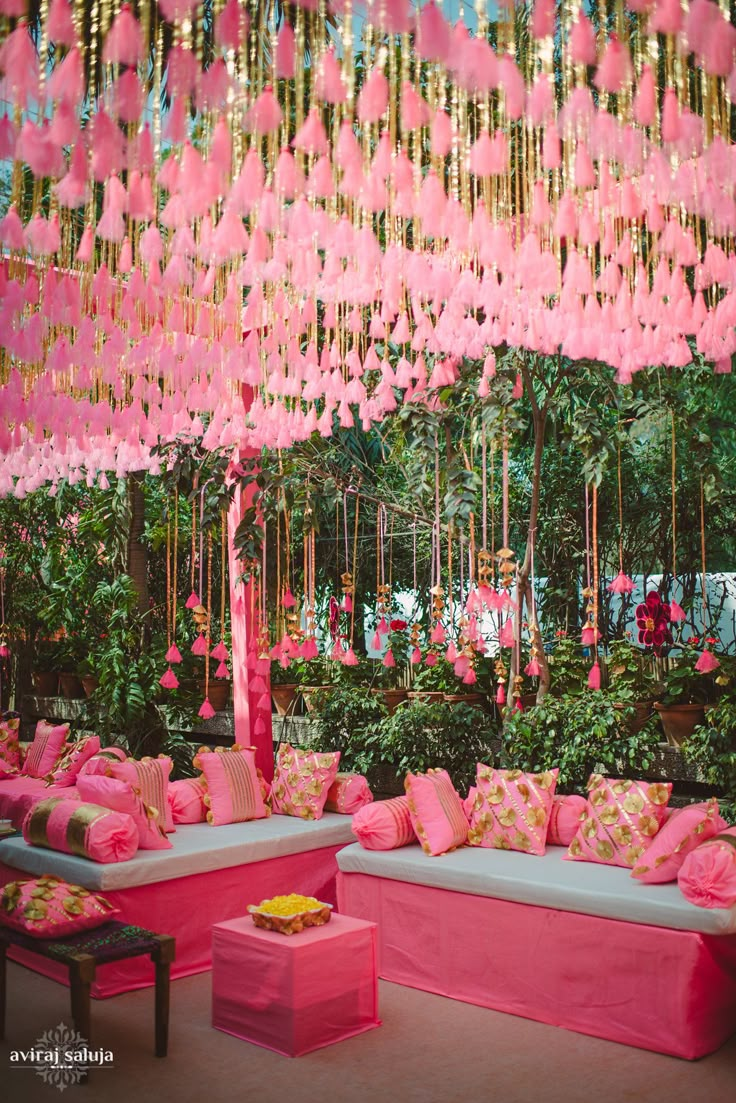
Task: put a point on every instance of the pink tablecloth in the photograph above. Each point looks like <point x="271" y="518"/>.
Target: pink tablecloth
<point x="294" y="993"/>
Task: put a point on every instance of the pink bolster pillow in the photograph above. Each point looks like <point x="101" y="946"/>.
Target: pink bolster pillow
<point x="564" y="821"/>
<point x="384" y="825"/>
<point x="708" y="874"/>
<point x="186" y="798"/>
<point x="685" y="830"/>
<point x="21" y="804"/>
<point x="86" y="830"/>
<point x="348" y="793"/>
<point x="120" y="796"/>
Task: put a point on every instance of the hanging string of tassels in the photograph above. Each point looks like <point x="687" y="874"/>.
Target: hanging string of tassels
<point x="622" y="583"/>
<point x="594" y="675"/>
<point x="677" y="613"/>
<point x="206" y="710"/>
<point x="707" y="660"/>
<point x="169" y="679"/>
<point x="220" y="652"/>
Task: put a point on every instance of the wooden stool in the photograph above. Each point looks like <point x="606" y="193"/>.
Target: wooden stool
<point x="83" y="953"/>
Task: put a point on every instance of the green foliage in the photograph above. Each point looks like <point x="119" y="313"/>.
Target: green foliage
<point x="343" y="719"/>
<point x="579" y="734"/>
<point x="439" y="678"/>
<point x="568" y="667"/>
<point x="712" y="747"/>
<point x="684" y="684"/>
<point x="630" y="672"/>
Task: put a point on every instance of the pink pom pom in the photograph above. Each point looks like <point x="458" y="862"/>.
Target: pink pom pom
<point x="220" y="652"/>
<point x="199" y="647"/>
<point x="192" y="601"/>
<point x="388" y="658"/>
<point x="169" y="680"/>
<point x="707" y="662"/>
<point x="594" y="677"/>
<point x="206" y="711"/>
<point x="222" y="671"/>
<point x="173" y="655"/>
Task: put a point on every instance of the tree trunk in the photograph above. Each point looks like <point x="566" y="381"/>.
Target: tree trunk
<point x="137" y="558"/>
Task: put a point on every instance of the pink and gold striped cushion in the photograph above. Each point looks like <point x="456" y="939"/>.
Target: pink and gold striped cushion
<point x="436" y="811"/>
<point x="48" y="744"/>
<point x="150" y="780"/>
<point x="385" y="825"/>
<point x="233" y="789"/>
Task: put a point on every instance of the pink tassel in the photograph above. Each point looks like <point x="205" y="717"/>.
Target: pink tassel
<point x="518" y="705"/>
<point x="434" y="40"/>
<point x="265" y="115"/>
<point x="285" y="55"/>
<point x="671" y="128"/>
<point x="677" y="613"/>
<point x="173" y="655"/>
<point x="500" y="694"/>
<point x="587" y="637"/>
<point x="258" y="685"/>
<point x="614" y="69"/>
<point x="518" y="388"/>
<point x="350" y="658"/>
<point x="376" y="642"/>
<point x="645" y="100"/>
<point x="199" y="647"/>
<point x="231" y="26"/>
<point x="543" y="18"/>
<point x="220" y="652"/>
<point x="431" y="659"/>
<point x="4" y="651"/>
<point x="169" y="680"/>
<point x="206" y="711"/>
<point x="263" y="704"/>
<point x="594" y="677"/>
<point x="506" y="634"/>
<point x="383" y="626"/>
<point x="60" y="23"/>
<point x="621" y="584"/>
<point x="124" y="42"/>
<point x="222" y="671"/>
<point x="461" y="666"/>
<point x="192" y="601"/>
<point x="533" y="669"/>
<point x="309" y="649"/>
<point x="416" y="656"/>
<point x="347" y="604"/>
<point x="373" y="98"/>
<point x="707" y="662"/>
<point x="438" y="634"/>
<point x="328" y="83"/>
<point x="288" y="600"/>
<point x="451" y="652"/>
<point x="470" y="677"/>
<point x="582" y="41"/>
<point x="388" y="659"/>
<point x="311" y="136"/>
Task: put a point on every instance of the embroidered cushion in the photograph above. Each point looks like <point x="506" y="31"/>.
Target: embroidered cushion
<point x="47" y="907"/>
<point x="48" y="743"/>
<point x="684" y="830"/>
<point x="99" y="762"/>
<point x="150" y="777"/>
<point x="9" y="748"/>
<point x="186" y="798"/>
<point x="436" y="811"/>
<point x="302" y="781"/>
<point x="565" y="819"/>
<point x="87" y="830"/>
<point x="67" y="767"/>
<point x="511" y="809"/>
<point x="708" y="874"/>
<point x="121" y="796"/>
<point x="385" y="825"/>
<point x="233" y="788"/>
<point x="622" y="817"/>
<point x="348" y="793"/>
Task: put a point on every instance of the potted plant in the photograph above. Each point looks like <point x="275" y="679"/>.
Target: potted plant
<point x="568" y="666"/>
<point x="342" y="720"/>
<point x="87" y="675"/>
<point x="687" y="691"/>
<point x="431" y="683"/>
<point x="285" y="681"/>
<point x="45" y="670"/>
<point x="70" y="656"/>
<point x="390" y="675"/>
<point x="631" y="681"/>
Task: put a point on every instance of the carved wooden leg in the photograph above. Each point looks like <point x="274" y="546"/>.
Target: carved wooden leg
<point x="162" y="957"/>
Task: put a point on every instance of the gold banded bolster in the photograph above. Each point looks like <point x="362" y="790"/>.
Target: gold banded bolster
<point x="78" y="826"/>
<point x="39" y="820"/>
<point x="730" y="839"/>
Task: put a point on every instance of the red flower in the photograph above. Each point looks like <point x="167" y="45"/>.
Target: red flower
<point x="652" y="620"/>
<point x="398" y="625"/>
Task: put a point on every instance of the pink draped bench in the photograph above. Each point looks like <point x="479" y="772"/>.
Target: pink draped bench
<point x="210" y="875"/>
<point x="573" y="944"/>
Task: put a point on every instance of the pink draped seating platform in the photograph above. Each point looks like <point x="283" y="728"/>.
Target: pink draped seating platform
<point x="211" y="874"/>
<point x="572" y="944"/>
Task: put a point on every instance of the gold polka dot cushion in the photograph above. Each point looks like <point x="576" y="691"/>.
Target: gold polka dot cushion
<point x="511" y="809"/>
<point x="47" y="907"/>
<point x="622" y="818"/>
<point x="9" y="748"/>
<point x="302" y="781"/>
<point x="684" y="830"/>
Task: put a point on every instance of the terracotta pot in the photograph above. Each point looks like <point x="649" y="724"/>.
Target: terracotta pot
<point x="219" y="693"/>
<point x="45" y="682"/>
<point x="90" y="682"/>
<point x="475" y="699"/>
<point x="680" y="721"/>
<point x="425" y="695"/>
<point x="528" y="700"/>
<point x="284" y="697"/>
<point x="71" y="686"/>
<point x="642" y="711"/>
<point x="392" y="698"/>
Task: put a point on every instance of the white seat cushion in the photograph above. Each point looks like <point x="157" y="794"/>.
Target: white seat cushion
<point x="196" y="848"/>
<point x="548" y="882"/>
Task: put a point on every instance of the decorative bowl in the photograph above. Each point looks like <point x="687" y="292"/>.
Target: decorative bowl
<point x="290" y="914"/>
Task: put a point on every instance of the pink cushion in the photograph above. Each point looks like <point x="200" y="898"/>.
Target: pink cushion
<point x="150" y="777"/>
<point x="385" y="825"/>
<point x="49" y="908"/>
<point x="87" y="830"/>
<point x="9" y="748"/>
<point x="511" y="809"/>
<point x="436" y="811"/>
<point x="565" y="818"/>
<point x="18" y="807"/>
<point x="348" y="793"/>
<point x="76" y="754"/>
<point x="120" y="796"/>
<point x="622" y="818"/>
<point x="186" y="798"/>
<point x="48" y="743"/>
<point x="684" y="830"/>
<point x="99" y="762"/>
<point x="302" y="781"/>
<point x="233" y="788"/>
<point x="708" y="874"/>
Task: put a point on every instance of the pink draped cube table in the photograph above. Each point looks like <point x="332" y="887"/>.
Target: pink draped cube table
<point x="294" y="993"/>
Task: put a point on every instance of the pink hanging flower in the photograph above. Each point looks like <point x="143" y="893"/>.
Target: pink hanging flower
<point x="621" y="584"/>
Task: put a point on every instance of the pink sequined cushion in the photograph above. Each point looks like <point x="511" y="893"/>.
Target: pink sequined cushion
<point x="67" y="767"/>
<point x="9" y="748"/>
<point x="685" y="829"/>
<point x="708" y="874"/>
<point x="436" y="811"/>
<point x="622" y="817"/>
<point x="47" y="746"/>
<point x="302" y="781"/>
<point x="384" y="825"/>
<point x="87" y="830"/>
<point x="348" y="794"/>
<point x="186" y="798"/>
<point x="565" y="819"/>
<point x="47" y="907"/>
<point x="150" y="777"/>
<point x="120" y="796"/>
<point x="511" y="809"/>
<point x="233" y="793"/>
